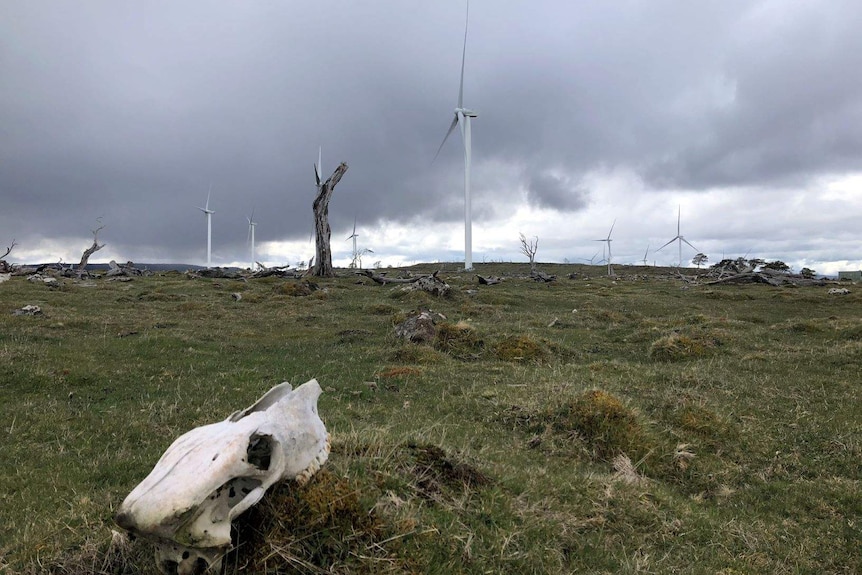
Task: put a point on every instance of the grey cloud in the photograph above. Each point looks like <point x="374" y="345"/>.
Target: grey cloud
<point x="131" y="110"/>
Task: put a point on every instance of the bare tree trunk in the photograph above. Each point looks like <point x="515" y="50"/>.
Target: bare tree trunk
<point x="323" y="260"/>
<point x="91" y="250"/>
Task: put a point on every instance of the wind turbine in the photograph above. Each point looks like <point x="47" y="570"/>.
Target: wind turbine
<point x="208" y="213"/>
<point x="608" y="240"/>
<point x="251" y="225"/>
<point x="645" y="254"/>
<point x="353" y="236"/>
<point x="679" y="238"/>
<point x="462" y="120"/>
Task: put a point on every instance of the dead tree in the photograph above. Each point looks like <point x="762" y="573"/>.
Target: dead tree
<point x="529" y="249"/>
<point x="90" y="250"/>
<point x="323" y="253"/>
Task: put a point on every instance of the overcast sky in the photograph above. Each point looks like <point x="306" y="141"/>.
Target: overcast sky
<point x="744" y="115"/>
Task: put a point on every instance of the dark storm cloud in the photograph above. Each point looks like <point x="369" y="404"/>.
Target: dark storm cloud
<point x="554" y="191"/>
<point x="131" y="110"/>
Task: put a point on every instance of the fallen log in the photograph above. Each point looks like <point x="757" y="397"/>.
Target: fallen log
<point x="383" y="280"/>
<point x="489" y="281"/>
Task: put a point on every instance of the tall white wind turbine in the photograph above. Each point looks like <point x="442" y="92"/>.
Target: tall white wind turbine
<point x="353" y="236"/>
<point x="251" y="225"/>
<point x="679" y="238"/>
<point x="208" y="213"/>
<point x="608" y="240"/>
<point x="462" y="120"/>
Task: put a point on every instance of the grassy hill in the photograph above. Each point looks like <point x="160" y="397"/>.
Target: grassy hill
<point x="590" y="425"/>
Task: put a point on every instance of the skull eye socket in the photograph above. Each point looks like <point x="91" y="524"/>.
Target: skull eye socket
<point x="259" y="451"/>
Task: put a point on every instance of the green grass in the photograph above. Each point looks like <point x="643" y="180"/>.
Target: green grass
<point x="490" y="449"/>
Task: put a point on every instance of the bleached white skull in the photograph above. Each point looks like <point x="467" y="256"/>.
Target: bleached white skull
<point x="212" y="474"/>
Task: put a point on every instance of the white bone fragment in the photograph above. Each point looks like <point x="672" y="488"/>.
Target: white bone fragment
<point x="212" y="474"/>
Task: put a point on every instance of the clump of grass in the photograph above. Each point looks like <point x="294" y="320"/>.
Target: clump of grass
<point x="678" y="347"/>
<point x="293" y="289"/>
<point x="705" y="423"/>
<point x="437" y="473"/>
<point x="520" y="348"/>
<point x="321" y="525"/>
<point x="381" y="309"/>
<point x="414" y="354"/>
<point x="604" y="422"/>
<point x="459" y="340"/>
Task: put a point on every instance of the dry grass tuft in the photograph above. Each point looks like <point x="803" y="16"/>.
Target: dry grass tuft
<point x="520" y="348"/>
<point x="460" y="340"/>
<point x="604" y="423"/>
<point x="315" y="528"/>
<point x="679" y="347"/>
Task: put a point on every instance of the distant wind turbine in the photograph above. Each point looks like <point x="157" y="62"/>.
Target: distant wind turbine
<point x="592" y="259"/>
<point x="645" y="254"/>
<point x="353" y="236"/>
<point x="251" y="225"/>
<point x="679" y="238"/>
<point x="608" y="240"/>
<point x="462" y="120"/>
<point x="208" y="213"/>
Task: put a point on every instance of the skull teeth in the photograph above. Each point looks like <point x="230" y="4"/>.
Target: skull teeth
<point x="316" y="463"/>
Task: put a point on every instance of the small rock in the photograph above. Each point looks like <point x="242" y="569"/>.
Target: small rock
<point x="838" y="291"/>
<point x="236" y="295"/>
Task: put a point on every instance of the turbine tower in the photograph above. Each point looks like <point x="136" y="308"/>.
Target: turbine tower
<point x="608" y="240"/>
<point x="208" y="213"/>
<point x="679" y="238"/>
<point x="251" y="225"/>
<point x="353" y="236"/>
<point x="462" y="120"/>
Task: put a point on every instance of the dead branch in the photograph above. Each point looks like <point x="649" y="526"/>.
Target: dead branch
<point x="9" y="249"/>
<point x="91" y="250"/>
<point x="383" y="280"/>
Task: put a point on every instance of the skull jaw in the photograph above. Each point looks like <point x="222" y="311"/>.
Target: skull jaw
<point x="175" y="559"/>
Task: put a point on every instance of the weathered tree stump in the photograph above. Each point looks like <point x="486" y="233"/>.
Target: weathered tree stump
<point x="323" y="260"/>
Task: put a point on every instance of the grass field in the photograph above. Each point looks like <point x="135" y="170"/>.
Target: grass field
<point x="581" y="426"/>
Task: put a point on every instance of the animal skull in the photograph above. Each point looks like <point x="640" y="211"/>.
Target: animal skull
<point x="213" y="473"/>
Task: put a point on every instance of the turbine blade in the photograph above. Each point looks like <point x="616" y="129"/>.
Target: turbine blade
<point x="678" y="216"/>
<point x="316" y="175"/>
<point x="689" y="243"/>
<point x="446" y="137"/>
<point x="612" y="228"/>
<point x="666" y="245"/>
<point x="463" y="58"/>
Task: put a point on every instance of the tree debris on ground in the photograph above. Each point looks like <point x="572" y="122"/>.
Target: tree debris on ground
<point x="127" y="269"/>
<point x="540" y="276"/>
<point x="489" y="281"/>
